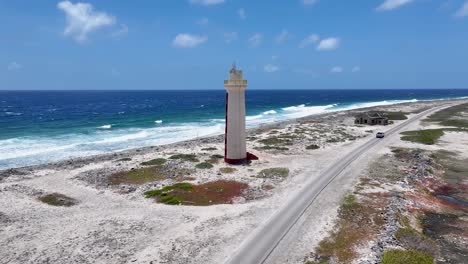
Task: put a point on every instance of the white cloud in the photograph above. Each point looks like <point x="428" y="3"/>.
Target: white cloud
<point x="463" y="11"/>
<point x="203" y="21"/>
<point x="14" y="66"/>
<point x="336" y="69"/>
<point x="356" y="69"/>
<point x="82" y="19"/>
<point x="242" y="14"/>
<point x="184" y="40"/>
<point x="122" y="32"/>
<point x="388" y="5"/>
<point x="230" y="36"/>
<point x="271" y="68"/>
<point x="206" y="2"/>
<point x="283" y="37"/>
<point x="309" y="40"/>
<point x="255" y="40"/>
<point x="329" y="44"/>
<point x="309" y="2"/>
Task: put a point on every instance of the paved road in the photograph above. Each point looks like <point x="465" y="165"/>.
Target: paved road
<point x="262" y="242"/>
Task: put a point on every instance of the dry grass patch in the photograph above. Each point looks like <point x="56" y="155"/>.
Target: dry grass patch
<point x="58" y="199"/>
<point x="358" y="222"/>
<point x="211" y="193"/>
<point x="274" y="173"/>
<point x="398" y="256"/>
<point x="149" y="174"/>
<point x="227" y="170"/>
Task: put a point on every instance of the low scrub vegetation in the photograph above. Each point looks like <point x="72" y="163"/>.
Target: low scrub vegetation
<point x="406" y="257"/>
<point x="274" y="173"/>
<point x="227" y="170"/>
<point x="272" y="148"/>
<point x="454" y="116"/>
<point x="313" y="146"/>
<point x="209" y="149"/>
<point x="185" y="157"/>
<point x="58" y="199"/>
<point x="217" y="192"/>
<point x="204" y="165"/>
<point x="275" y="141"/>
<point x="358" y="221"/>
<point x="412" y="239"/>
<point x="137" y="176"/>
<point x="395" y="115"/>
<point x="159" y="161"/>
<point x="425" y="136"/>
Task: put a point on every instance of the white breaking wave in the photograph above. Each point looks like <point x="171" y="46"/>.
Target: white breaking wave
<point x="372" y="104"/>
<point x="270" y="112"/>
<point x="18" y="152"/>
<point x="13" y="114"/>
<point x="105" y="127"/>
<point x="255" y="117"/>
<point x="303" y="110"/>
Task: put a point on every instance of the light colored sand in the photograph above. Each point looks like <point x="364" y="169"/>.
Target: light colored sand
<point x="110" y="227"/>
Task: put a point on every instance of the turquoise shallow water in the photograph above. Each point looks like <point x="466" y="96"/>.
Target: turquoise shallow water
<point x="43" y="126"/>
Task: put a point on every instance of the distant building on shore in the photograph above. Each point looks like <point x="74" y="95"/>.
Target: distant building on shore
<point x="234" y="140"/>
<point x="371" y="118"/>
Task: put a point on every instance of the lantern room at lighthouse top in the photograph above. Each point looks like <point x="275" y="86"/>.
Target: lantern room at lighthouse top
<point x="235" y="78"/>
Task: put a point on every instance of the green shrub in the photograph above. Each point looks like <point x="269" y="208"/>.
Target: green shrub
<point x="159" y="161"/>
<point x="275" y="141"/>
<point x="406" y="257"/>
<point x="125" y="159"/>
<point x="185" y="157"/>
<point x="313" y="146"/>
<point x="396" y="115"/>
<point x="209" y="149"/>
<point x="274" y="173"/>
<point x="204" y="165"/>
<point x="427" y="136"/>
<point x="58" y="199"/>
<point x="217" y="156"/>
<point x="182" y="186"/>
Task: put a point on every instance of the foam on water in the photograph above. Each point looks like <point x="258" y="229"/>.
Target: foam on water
<point x="36" y="150"/>
<point x="105" y="127"/>
<point x="22" y="151"/>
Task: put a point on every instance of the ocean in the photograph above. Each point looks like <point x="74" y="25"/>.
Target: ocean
<point x="37" y="127"/>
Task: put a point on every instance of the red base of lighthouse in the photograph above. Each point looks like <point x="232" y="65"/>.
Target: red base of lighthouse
<point x="250" y="157"/>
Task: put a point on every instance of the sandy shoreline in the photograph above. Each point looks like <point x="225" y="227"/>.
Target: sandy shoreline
<point x="80" y="161"/>
<point x="114" y="223"/>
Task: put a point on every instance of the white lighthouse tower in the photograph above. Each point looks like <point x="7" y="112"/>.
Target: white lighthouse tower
<point x="234" y="139"/>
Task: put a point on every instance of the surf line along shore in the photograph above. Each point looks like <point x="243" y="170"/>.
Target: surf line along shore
<point x="125" y="218"/>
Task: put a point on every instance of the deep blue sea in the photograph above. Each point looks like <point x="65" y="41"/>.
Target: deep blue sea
<point x="43" y="126"/>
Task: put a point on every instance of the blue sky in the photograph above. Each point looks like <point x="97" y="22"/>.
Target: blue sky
<point x="190" y="44"/>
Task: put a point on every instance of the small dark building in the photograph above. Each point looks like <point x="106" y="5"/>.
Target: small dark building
<point x="371" y="118"/>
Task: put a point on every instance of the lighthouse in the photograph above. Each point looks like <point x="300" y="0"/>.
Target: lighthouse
<point x="234" y="139"/>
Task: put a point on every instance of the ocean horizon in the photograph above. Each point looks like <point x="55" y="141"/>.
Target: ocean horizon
<point x="45" y="126"/>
